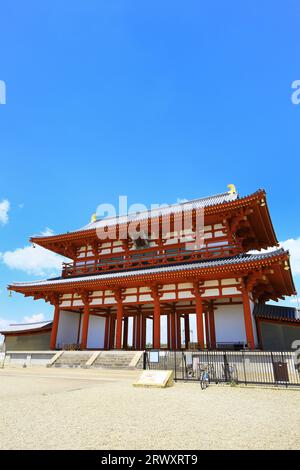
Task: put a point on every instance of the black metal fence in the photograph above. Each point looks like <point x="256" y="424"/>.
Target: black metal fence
<point x="243" y="367"/>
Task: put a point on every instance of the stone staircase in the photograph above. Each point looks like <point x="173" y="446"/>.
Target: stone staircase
<point x="119" y="360"/>
<point x="72" y="359"/>
<point x="99" y="359"/>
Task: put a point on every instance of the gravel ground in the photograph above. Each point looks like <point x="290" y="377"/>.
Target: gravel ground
<point x="71" y="409"/>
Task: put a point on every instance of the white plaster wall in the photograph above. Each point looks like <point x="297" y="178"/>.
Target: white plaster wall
<point x="230" y="326"/>
<point x="96" y="332"/>
<point x="67" y="328"/>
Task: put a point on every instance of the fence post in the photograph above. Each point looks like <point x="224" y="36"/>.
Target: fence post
<point x="226" y="368"/>
<point x="244" y="366"/>
<point x="175" y="366"/>
<point x="145" y="360"/>
<point x="273" y="370"/>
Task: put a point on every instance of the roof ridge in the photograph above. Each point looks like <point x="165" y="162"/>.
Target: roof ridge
<point x="161" y="207"/>
<point x="93" y="225"/>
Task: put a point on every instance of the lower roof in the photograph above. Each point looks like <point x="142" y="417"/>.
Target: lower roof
<point x="26" y="327"/>
<point x="277" y="312"/>
<point x="199" y="265"/>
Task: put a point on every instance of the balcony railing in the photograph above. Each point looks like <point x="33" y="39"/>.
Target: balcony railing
<point x="140" y="260"/>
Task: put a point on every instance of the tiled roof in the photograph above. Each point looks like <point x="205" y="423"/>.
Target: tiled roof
<point x="277" y="312"/>
<point x="172" y="209"/>
<point x="239" y="259"/>
<point x="20" y="327"/>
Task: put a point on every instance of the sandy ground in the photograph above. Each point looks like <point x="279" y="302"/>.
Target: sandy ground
<point x="83" y="409"/>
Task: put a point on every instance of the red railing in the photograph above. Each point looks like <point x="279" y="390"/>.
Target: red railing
<point x="147" y="259"/>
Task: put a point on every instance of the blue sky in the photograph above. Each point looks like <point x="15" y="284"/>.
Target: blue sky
<point x="153" y="100"/>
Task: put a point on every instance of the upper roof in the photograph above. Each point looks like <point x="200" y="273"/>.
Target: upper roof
<point x="26" y="327"/>
<point x="217" y="206"/>
<point x="277" y="312"/>
<point x="185" y="206"/>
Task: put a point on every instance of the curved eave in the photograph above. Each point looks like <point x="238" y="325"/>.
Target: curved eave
<point x="285" y="280"/>
<point x="26" y="332"/>
<point x="217" y="209"/>
<point x="271" y="238"/>
<point x="278" y="319"/>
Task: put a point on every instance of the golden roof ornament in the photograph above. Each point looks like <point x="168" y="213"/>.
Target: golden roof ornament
<point x="232" y="189"/>
<point x="94" y="218"/>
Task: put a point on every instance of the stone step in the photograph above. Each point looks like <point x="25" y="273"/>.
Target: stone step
<point x="72" y="359"/>
<point x="115" y="360"/>
<point x="104" y="359"/>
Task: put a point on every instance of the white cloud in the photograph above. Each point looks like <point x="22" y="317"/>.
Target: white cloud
<point x="5" y="323"/>
<point x="4" y="209"/>
<point x="38" y="317"/>
<point x="293" y="245"/>
<point x="48" y="232"/>
<point x="34" y="261"/>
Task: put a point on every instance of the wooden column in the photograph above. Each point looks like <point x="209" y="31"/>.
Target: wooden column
<point x="178" y="330"/>
<point x="199" y="315"/>
<point x="156" y="317"/>
<point x="125" y="333"/>
<point x="187" y="330"/>
<point x="173" y="330"/>
<point x="112" y="330"/>
<point x="54" y="326"/>
<point x="119" y="300"/>
<point x="248" y="320"/>
<point x="86" y="319"/>
<point x="212" y="327"/>
<point x="106" y="334"/>
<point x="138" y="331"/>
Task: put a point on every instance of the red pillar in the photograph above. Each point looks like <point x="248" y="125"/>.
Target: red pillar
<point x="106" y="334"/>
<point x="138" y="332"/>
<point x="173" y="330"/>
<point x="119" y="323"/>
<point x="178" y="328"/>
<point x="212" y="327"/>
<point x="144" y="331"/>
<point x="54" y="327"/>
<point x="187" y="330"/>
<point x="125" y="333"/>
<point x="112" y="332"/>
<point x="85" y="325"/>
<point x="199" y="315"/>
<point x="156" y="322"/>
<point x="248" y="320"/>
